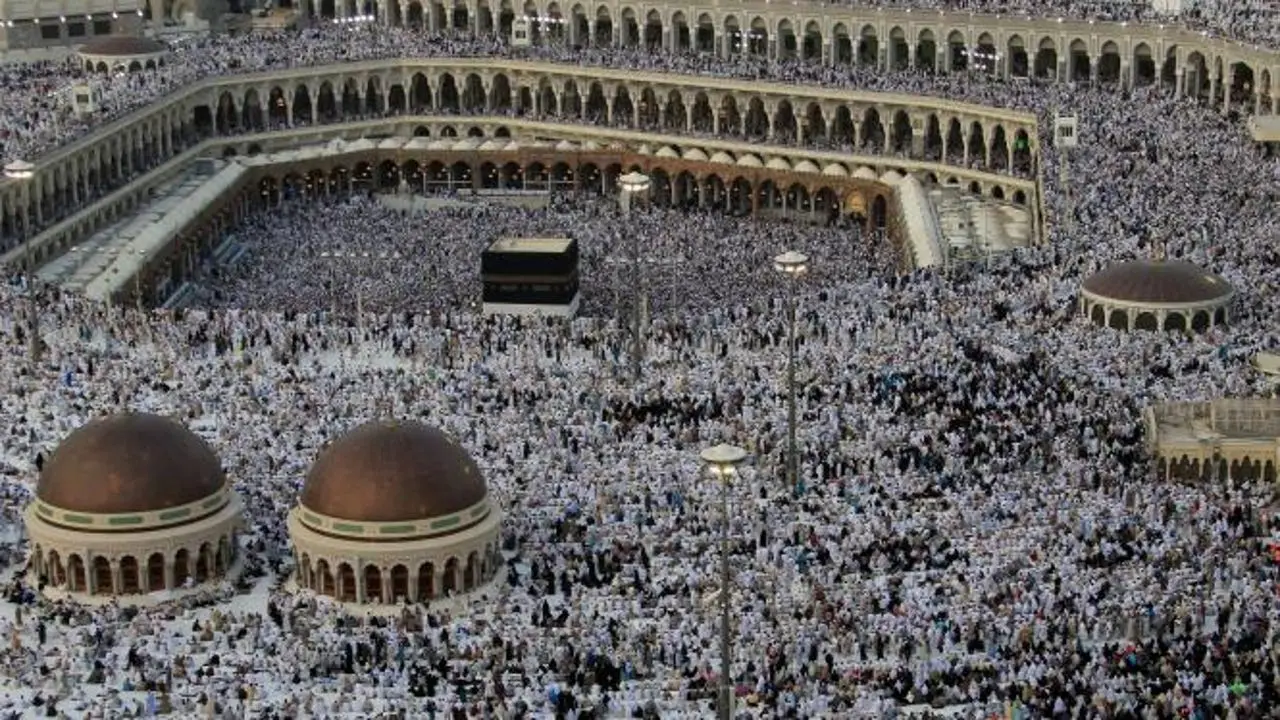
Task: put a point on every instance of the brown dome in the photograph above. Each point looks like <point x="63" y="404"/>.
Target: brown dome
<point x="129" y="463"/>
<point x="1157" y="282"/>
<point x="392" y="471"/>
<point x="122" y="45"/>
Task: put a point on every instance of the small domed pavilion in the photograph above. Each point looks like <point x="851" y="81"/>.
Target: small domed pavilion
<point x="122" y="52"/>
<point x="131" y="504"/>
<point x="1156" y="295"/>
<point x="394" y="511"/>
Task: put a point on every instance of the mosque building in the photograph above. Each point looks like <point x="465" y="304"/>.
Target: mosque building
<point x="132" y="504"/>
<point x="394" y="511"/>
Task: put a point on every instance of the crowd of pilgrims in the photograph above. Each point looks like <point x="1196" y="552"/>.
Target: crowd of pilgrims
<point x="977" y="526"/>
<point x="36" y="115"/>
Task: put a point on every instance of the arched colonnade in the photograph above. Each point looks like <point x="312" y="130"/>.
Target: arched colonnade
<point x="937" y="131"/>
<point x="1131" y="54"/>
<point x="128" y="573"/>
<point x="787" y="115"/>
<point x="678" y="182"/>
<point x="393" y="582"/>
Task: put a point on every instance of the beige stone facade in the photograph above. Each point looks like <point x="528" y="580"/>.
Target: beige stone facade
<point x="396" y="562"/>
<point x="1227" y="439"/>
<point x="125" y="555"/>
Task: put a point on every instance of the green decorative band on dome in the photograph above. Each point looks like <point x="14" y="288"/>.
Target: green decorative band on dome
<point x="397" y="531"/>
<point x="126" y="520"/>
<point x="136" y="521"/>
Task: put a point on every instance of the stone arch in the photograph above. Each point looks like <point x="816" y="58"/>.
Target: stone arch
<point x="842" y="46"/>
<point x="426" y="581"/>
<point x="449" y="581"/>
<point x="873" y="134"/>
<point x="653" y="30"/>
<point x="811" y="48"/>
<point x="984" y="56"/>
<point x="756" y="122"/>
<point x="346" y="582"/>
<point x="1109" y="63"/>
<point x="324" y="582"/>
<point x="473" y="95"/>
<point x="1046" y="65"/>
<point x="977" y="141"/>
<point x="902" y="134"/>
<point x="327" y="106"/>
<point x="629" y="31"/>
<point x="55" y="573"/>
<point x="181" y="567"/>
<point x="301" y="104"/>
<point x="1242" y="84"/>
<point x="815" y="124"/>
<point x="623" y="108"/>
<point x="899" y="53"/>
<point x="103" y="582"/>
<point x="447" y="98"/>
<point x="843" y="133"/>
<point x="998" y="150"/>
<point x="933" y="142"/>
<point x="130" y="578"/>
<point x="1080" y="64"/>
<point x="1019" y="62"/>
<point x="604" y="27"/>
<point x="204" y="565"/>
<point x="868" y="51"/>
<point x="571" y="101"/>
<point x="758" y="37"/>
<point x="927" y="51"/>
<point x="879" y="212"/>
<point x="784" y="123"/>
<point x="76" y="575"/>
<point x="500" y="94"/>
<point x="1098" y="315"/>
<point x="675" y="116"/>
<point x="277" y="108"/>
<point x="397" y="100"/>
<point x="786" y="39"/>
<point x="372" y="583"/>
<point x="733" y="37"/>
<point x="251" y="111"/>
<point x="419" y="93"/>
<point x="958" y="50"/>
<point x="1175" y="321"/>
<point x="399" y="583"/>
<point x="471" y="572"/>
<point x="705" y="36"/>
<point x="1143" y="65"/>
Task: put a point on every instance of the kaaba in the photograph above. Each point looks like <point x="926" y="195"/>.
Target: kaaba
<point x="530" y="276"/>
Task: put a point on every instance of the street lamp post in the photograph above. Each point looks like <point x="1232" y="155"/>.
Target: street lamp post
<point x="723" y="460"/>
<point x="631" y="186"/>
<point x="793" y="265"/>
<point x="22" y="172"/>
